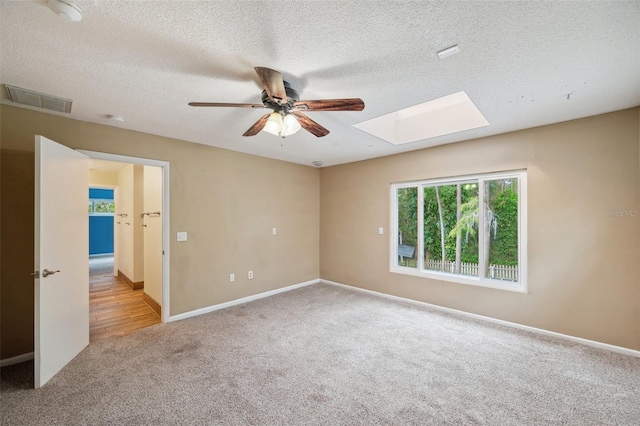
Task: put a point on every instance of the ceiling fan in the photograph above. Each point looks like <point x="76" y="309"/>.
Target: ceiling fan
<point x="287" y="117"/>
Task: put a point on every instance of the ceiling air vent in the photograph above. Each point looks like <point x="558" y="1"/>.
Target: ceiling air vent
<point x="39" y="100"/>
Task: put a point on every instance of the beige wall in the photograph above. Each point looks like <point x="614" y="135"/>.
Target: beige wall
<point x="103" y="179"/>
<point x="583" y="274"/>
<point x="123" y="233"/>
<point x="130" y="238"/>
<point x="16" y="262"/>
<point x="227" y="202"/>
<point x="117" y="222"/>
<point x="136" y="223"/>
<point x="153" y="233"/>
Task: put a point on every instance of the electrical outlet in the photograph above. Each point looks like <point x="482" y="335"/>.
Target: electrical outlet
<point x="250" y="275"/>
<point x="274" y="231"/>
<point x="380" y="230"/>
<point x="232" y="277"/>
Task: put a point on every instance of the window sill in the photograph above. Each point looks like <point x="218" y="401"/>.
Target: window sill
<point x="517" y="287"/>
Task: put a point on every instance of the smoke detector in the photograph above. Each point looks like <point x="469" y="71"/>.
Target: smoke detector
<point x="66" y="10"/>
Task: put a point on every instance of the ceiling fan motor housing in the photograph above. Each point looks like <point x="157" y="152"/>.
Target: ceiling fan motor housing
<point x="292" y="96"/>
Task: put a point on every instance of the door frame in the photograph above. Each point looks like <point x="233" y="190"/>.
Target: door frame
<point x="166" y="285"/>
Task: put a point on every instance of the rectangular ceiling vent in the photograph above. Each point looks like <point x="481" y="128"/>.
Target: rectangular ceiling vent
<point x="39" y="100"/>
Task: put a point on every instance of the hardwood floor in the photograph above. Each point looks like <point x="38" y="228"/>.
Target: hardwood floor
<point x="115" y="309"/>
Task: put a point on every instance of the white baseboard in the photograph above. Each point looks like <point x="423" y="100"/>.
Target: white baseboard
<point x="593" y="343"/>
<point x="239" y="301"/>
<point x="16" y="359"/>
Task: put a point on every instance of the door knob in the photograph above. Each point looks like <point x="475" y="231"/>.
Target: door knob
<point x="47" y="272"/>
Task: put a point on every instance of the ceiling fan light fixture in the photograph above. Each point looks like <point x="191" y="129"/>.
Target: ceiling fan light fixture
<point x="290" y="125"/>
<point x="274" y="124"/>
<point x="280" y="125"/>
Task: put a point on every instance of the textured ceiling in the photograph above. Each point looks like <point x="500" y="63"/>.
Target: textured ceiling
<point x="145" y="60"/>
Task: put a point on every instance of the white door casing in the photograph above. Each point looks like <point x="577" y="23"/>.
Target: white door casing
<point x="61" y="244"/>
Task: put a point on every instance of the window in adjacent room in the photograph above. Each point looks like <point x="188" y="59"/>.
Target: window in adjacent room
<point x="101" y="202"/>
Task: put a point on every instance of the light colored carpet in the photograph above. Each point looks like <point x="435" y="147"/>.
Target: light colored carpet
<point x="328" y="355"/>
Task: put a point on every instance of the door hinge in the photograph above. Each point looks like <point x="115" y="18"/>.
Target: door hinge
<point x="36" y="274"/>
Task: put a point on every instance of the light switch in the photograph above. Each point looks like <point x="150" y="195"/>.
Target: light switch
<point x="380" y="231"/>
<point x="274" y="231"/>
<point x="181" y="236"/>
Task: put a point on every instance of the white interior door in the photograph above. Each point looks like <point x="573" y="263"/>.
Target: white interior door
<point x="61" y="257"/>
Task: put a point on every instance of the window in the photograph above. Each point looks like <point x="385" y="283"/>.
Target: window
<point x="101" y="207"/>
<point x="439" y="230"/>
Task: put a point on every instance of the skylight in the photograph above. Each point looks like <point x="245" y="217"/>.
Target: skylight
<point x="442" y="116"/>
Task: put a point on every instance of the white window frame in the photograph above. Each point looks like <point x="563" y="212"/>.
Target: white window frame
<point x="481" y="279"/>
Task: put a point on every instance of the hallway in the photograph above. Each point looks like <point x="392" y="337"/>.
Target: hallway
<point x="115" y="309"/>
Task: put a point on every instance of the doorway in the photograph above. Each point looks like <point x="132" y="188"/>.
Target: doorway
<point x="140" y="219"/>
<point x="125" y="278"/>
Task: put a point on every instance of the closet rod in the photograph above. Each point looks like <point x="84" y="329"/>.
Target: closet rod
<point x="150" y="214"/>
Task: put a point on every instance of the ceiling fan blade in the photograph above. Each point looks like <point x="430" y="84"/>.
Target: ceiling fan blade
<point x="310" y="125"/>
<point x="273" y="84"/>
<point x="257" y="126"/>
<point x="351" y="104"/>
<point x="223" y="104"/>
